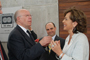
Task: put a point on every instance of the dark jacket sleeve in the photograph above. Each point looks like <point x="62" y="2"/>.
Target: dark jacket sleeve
<point x="22" y="50"/>
<point x="34" y="34"/>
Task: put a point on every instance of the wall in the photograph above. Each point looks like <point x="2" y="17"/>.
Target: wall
<point x="42" y="11"/>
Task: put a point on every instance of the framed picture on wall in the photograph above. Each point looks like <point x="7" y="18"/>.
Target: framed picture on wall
<point x="7" y="20"/>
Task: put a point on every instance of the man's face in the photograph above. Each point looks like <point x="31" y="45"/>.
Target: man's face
<point x="0" y="8"/>
<point x="50" y="29"/>
<point x="25" y="19"/>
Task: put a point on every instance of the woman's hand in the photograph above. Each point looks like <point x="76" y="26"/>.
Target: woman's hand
<point x="55" y="46"/>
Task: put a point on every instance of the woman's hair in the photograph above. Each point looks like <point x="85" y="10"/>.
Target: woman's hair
<point x="79" y="17"/>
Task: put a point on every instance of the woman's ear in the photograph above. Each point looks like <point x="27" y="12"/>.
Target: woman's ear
<point x="75" y="24"/>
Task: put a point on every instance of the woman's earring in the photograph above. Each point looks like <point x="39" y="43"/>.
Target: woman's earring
<point x="74" y="30"/>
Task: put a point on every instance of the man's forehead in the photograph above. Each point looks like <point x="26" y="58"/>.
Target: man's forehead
<point x="50" y="28"/>
<point x="24" y="11"/>
<point x="49" y="25"/>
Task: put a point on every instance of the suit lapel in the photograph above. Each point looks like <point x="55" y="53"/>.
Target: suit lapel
<point x="47" y="48"/>
<point x="56" y="38"/>
<point x="25" y="35"/>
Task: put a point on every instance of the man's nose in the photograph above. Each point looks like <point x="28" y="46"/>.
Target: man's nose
<point x="30" y="16"/>
<point x="50" y="30"/>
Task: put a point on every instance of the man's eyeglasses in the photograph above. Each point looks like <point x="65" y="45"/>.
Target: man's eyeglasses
<point x="26" y="15"/>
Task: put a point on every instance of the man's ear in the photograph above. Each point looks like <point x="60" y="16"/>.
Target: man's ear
<point x="55" y="28"/>
<point x="18" y="18"/>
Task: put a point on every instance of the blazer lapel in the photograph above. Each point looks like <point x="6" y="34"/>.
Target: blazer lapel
<point x="25" y="35"/>
<point x="56" y="38"/>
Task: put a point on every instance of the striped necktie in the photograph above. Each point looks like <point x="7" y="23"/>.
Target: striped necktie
<point x="49" y="46"/>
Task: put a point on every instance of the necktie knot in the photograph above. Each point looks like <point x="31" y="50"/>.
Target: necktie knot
<point x="29" y="33"/>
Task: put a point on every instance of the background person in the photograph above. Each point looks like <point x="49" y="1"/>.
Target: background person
<point x="51" y="31"/>
<point x="0" y="8"/>
<point x="2" y="51"/>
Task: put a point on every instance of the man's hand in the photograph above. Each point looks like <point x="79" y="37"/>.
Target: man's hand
<point x="45" y="41"/>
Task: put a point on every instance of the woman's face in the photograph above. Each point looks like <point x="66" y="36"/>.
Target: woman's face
<point x="67" y="22"/>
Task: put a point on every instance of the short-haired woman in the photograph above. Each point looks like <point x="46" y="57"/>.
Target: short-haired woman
<point x="76" y="44"/>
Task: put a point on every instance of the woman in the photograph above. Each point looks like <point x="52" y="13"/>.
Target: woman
<point x="76" y="44"/>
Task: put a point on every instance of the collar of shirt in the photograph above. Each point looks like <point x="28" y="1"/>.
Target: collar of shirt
<point x="73" y="37"/>
<point x="66" y="46"/>
<point x="53" y="37"/>
<point x="24" y="29"/>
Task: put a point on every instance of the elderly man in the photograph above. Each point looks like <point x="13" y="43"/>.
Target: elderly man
<point x="21" y="44"/>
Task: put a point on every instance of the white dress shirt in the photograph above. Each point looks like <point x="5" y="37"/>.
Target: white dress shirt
<point x="24" y="29"/>
<point x="53" y="38"/>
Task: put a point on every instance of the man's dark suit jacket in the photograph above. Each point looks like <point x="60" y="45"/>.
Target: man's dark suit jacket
<point x="52" y="55"/>
<point x="22" y="47"/>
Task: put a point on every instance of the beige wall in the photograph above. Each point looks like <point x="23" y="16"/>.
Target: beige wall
<point x="42" y="11"/>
